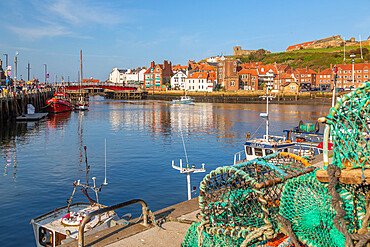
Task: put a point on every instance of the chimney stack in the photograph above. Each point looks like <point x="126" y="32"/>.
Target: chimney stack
<point x="152" y="64"/>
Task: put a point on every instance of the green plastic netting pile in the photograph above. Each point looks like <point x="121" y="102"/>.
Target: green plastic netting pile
<point x="350" y="129"/>
<point x="316" y="218"/>
<point x="239" y="204"/>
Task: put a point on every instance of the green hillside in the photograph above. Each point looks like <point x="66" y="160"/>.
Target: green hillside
<point x="313" y="58"/>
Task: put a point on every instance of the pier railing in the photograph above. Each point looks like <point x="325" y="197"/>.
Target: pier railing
<point x="107" y="209"/>
<point x="11" y="94"/>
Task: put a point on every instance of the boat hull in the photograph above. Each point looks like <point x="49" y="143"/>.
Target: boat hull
<point x="183" y="101"/>
<point x="58" y="106"/>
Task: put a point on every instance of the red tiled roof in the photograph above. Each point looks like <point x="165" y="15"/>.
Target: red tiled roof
<point x="326" y="72"/>
<point x="358" y="66"/>
<point x="299" y="45"/>
<point x="305" y="71"/>
<point x="248" y="71"/>
<point x="197" y="75"/>
<point x="263" y="69"/>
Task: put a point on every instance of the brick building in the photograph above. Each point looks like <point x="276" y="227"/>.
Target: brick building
<point x="324" y="79"/>
<point x="157" y="76"/>
<point x="227" y="73"/>
<point x="306" y="77"/>
<point x="248" y="79"/>
<point x="361" y="74"/>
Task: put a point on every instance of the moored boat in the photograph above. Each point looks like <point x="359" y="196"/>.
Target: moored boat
<point x="59" y="103"/>
<point x="183" y="100"/>
<point x="62" y="224"/>
<point x="81" y="104"/>
<point x="267" y="145"/>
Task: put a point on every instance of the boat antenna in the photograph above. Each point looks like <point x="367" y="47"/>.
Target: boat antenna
<point x="188" y="170"/>
<point x="81" y="66"/>
<point x="87" y="168"/>
<point x="105" y="165"/>
<point x="183" y="143"/>
<point x="266" y="115"/>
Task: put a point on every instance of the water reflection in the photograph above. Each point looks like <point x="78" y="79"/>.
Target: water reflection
<point x="12" y="136"/>
<point x="58" y="121"/>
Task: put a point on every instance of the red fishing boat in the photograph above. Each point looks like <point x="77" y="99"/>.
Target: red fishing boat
<point x="59" y="103"/>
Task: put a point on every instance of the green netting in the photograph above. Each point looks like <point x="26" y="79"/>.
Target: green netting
<point x="349" y="122"/>
<point x="307" y="204"/>
<point x="239" y="204"/>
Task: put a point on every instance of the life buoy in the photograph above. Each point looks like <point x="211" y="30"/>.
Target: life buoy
<point x="73" y="218"/>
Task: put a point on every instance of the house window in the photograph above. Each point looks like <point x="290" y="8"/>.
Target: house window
<point x="234" y="70"/>
<point x="358" y="71"/>
<point x="358" y="76"/>
<point x="365" y="76"/>
<point x="232" y="84"/>
<point x="157" y="69"/>
<point x="234" y="63"/>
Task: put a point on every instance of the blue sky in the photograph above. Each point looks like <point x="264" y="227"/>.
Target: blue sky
<point x="128" y="34"/>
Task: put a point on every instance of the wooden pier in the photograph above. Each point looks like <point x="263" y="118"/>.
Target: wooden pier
<point x="127" y="94"/>
<point x="13" y="104"/>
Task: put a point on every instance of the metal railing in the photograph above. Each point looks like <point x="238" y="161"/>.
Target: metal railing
<point x="10" y="94"/>
<point x="107" y="209"/>
<point x="239" y="156"/>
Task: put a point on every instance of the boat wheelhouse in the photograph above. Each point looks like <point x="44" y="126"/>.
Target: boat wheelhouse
<point x="257" y="148"/>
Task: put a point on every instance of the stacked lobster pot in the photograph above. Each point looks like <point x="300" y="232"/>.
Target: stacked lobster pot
<point x="239" y="204"/>
<point x="332" y="208"/>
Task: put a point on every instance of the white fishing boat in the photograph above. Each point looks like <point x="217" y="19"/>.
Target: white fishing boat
<point x="62" y="224"/>
<point x="183" y="100"/>
<point x="266" y="145"/>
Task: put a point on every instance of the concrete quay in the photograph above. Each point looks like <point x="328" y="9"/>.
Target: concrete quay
<point x="172" y="234"/>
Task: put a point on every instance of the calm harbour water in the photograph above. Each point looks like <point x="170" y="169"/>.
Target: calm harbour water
<point x="41" y="160"/>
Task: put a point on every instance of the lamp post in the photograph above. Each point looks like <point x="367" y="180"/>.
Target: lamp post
<point x="6" y="59"/>
<point x="353" y="69"/>
<point x="46" y="69"/>
<point x="15" y="72"/>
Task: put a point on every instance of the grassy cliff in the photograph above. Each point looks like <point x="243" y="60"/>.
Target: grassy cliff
<point x="312" y="58"/>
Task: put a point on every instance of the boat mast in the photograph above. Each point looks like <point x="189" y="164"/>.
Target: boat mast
<point x="81" y="74"/>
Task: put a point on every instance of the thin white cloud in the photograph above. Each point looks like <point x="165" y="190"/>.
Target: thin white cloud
<point x="33" y="33"/>
<point x="81" y="12"/>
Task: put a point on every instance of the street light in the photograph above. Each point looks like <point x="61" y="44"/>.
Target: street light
<point x="46" y="69"/>
<point x="6" y="59"/>
<point x="353" y="69"/>
<point x="15" y="72"/>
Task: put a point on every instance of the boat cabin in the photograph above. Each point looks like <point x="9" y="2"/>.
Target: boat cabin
<point x="60" y="96"/>
<point x="261" y="147"/>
